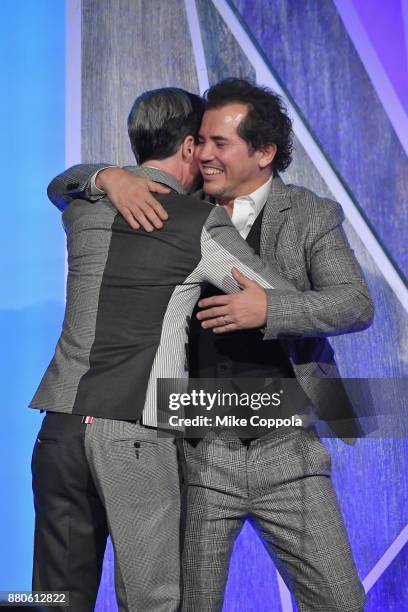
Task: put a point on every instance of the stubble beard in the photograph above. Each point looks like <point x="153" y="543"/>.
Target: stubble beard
<point x="221" y="193"/>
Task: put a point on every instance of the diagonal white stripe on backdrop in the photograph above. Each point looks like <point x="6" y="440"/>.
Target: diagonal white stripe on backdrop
<point x="386" y="560"/>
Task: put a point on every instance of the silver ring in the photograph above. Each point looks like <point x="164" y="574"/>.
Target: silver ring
<point x="225" y="320"/>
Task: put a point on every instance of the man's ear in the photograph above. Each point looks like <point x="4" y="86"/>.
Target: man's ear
<point x="187" y="148"/>
<point x="266" y="155"/>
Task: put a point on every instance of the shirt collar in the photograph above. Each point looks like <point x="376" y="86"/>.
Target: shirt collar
<point x="159" y="176"/>
<point x="257" y="198"/>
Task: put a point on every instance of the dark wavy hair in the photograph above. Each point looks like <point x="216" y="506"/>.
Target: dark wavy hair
<point x="267" y="121"/>
<point x="160" y="119"/>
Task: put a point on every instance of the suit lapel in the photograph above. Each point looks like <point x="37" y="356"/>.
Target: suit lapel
<point x="277" y="204"/>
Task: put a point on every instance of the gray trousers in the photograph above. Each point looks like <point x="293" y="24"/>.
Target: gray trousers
<point x="111" y="477"/>
<point x="281" y="482"/>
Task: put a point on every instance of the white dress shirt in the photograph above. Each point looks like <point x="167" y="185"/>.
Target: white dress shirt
<point x="247" y="208"/>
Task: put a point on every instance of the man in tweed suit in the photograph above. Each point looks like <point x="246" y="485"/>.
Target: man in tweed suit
<point x="99" y="466"/>
<point x="280" y="481"/>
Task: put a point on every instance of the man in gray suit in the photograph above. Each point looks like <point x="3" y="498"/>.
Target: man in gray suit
<point x="99" y="465"/>
<point x="281" y="481"/>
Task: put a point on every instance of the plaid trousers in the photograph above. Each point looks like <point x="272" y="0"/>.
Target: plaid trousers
<point x="281" y="483"/>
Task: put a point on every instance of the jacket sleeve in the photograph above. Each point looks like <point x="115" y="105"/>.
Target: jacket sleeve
<point x="73" y="184"/>
<point x="338" y="303"/>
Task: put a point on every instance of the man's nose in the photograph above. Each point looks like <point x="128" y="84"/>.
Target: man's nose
<point x="205" y="152"/>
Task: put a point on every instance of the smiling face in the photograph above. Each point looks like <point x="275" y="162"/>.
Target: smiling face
<point x="229" y="168"/>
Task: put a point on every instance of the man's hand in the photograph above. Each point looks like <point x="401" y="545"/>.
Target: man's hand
<point x="244" y="310"/>
<point x="131" y="196"/>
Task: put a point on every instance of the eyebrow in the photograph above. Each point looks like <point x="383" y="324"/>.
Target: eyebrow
<point x="215" y="138"/>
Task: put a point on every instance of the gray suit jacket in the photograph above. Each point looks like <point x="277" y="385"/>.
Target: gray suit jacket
<point x="323" y="292"/>
<point x="302" y="235"/>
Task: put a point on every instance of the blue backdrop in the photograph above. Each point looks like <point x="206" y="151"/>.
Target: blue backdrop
<point x="32" y="108"/>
